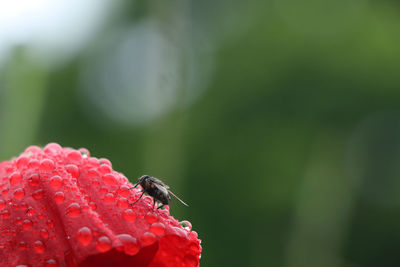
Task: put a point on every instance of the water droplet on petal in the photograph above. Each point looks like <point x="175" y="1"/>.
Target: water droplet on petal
<point x="151" y="217"/>
<point x="30" y="211"/>
<point x="123" y="202"/>
<point x="22" y="245"/>
<point x="59" y="197"/>
<point x="109" y="198"/>
<point x="19" y="193"/>
<point x="148" y="239"/>
<point x="5" y="214"/>
<point x="34" y="179"/>
<point x="73" y="170"/>
<point x="85" y="236"/>
<point x="103" y="244"/>
<point x="84" y="152"/>
<point x="104" y="169"/>
<point x="109" y="179"/>
<point x="52" y="149"/>
<point x="56" y="182"/>
<point x="129" y="244"/>
<point x="5" y="192"/>
<point x="2" y="204"/>
<point x="74" y="156"/>
<point x="44" y="233"/>
<point x="39" y="246"/>
<point x="124" y="191"/>
<point x="46" y="165"/>
<point x="33" y="164"/>
<point x="157" y="228"/>
<point x="38" y="194"/>
<point x="51" y="263"/>
<point x="22" y="162"/>
<point x="27" y="224"/>
<point x="73" y="210"/>
<point x="129" y="215"/>
<point x="15" y="178"/>
<point x="186" y="225"/>
<point x="50" y="223"/>
<point x="93" y="205"/>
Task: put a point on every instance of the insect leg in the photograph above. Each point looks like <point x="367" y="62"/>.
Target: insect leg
<point x="138" y="198"/>
<point x="154" y="203"/>
<point x="161" y="206"/>
<point x="134" y="186"/>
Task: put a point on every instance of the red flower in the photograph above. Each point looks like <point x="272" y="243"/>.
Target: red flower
<point x="61" y="207"/>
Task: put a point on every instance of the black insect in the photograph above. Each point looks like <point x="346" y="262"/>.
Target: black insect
<point x="156" y="189"/>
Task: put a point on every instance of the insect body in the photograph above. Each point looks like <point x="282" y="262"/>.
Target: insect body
<point x="156" y="189"/>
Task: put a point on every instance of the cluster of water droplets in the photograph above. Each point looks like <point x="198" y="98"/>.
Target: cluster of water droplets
<point x="88" y="196"/>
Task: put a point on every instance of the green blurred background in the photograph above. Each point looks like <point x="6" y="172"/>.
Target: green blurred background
<point x="278" y="121"/>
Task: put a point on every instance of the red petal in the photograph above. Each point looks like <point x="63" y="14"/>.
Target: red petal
<point x="61" y="207"/>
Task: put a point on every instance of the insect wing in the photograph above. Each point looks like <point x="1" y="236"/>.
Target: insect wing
<point x="159" y="182"/>
<point x="161" y="188"/>
<point x="180" y="200"/>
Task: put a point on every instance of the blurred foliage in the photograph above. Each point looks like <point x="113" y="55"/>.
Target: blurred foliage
<point x="288" y="156"/>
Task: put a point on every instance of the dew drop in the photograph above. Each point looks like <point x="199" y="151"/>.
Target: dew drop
<point x="148" y="239"/>
<point x="103" y="190"/>
<point x="105" y="161"/>
<point x="15" y="178"/>
<point x="38" y="246"/>
<point x="56" y="182"/>
<point x="186" y="225"/>
<point x="52" y="148"/>
<point x="18" y="221"/>
<point x="34" y="179"/>
<point x="95" y="183"/>
<point x="129" y="215"/>
<point x="44" y="233"/>
<point x="123" y="202"/>
<point x="51" y="263"/>
<point x="59" y="197"/>
<point x="2" y="204"/>
<point x="46" y="165"/>
<point x="33" y="163"/>
<point x="84" y="152"/>
<point x="5" y="214"/>
<point x="109" y="198"/>
<point x="157" y="228"/>
<point x="129" y="244"/>
<point x="23" y="206"/>
<point x="92" y="173"/>
<point x="22" y="162"/>
<point x="33" y="149"/>
<point x="151" y="217"/>
<point x="104" y="169"/>
<point x="124" y="191"/>
<point x="109" y="178"/>
<point x="22" y="245"/>
<point x="50" y="223"/>
<point x="19" y="193"/>
<point x="74" y="156"/>
<point x="103" y="244"/>
<point x="73" y="170"/>
<point x="5" y="192"/>
<point x="74" y="210"/>
<point x="30" y="211"/>
<point x="38" y="194"/>
<point x="84" y="236"/>
<point x="93" y="205"/>
<point x="27" y="224"/>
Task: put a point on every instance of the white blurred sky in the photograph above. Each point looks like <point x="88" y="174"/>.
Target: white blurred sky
<point x="55" y="29"/>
